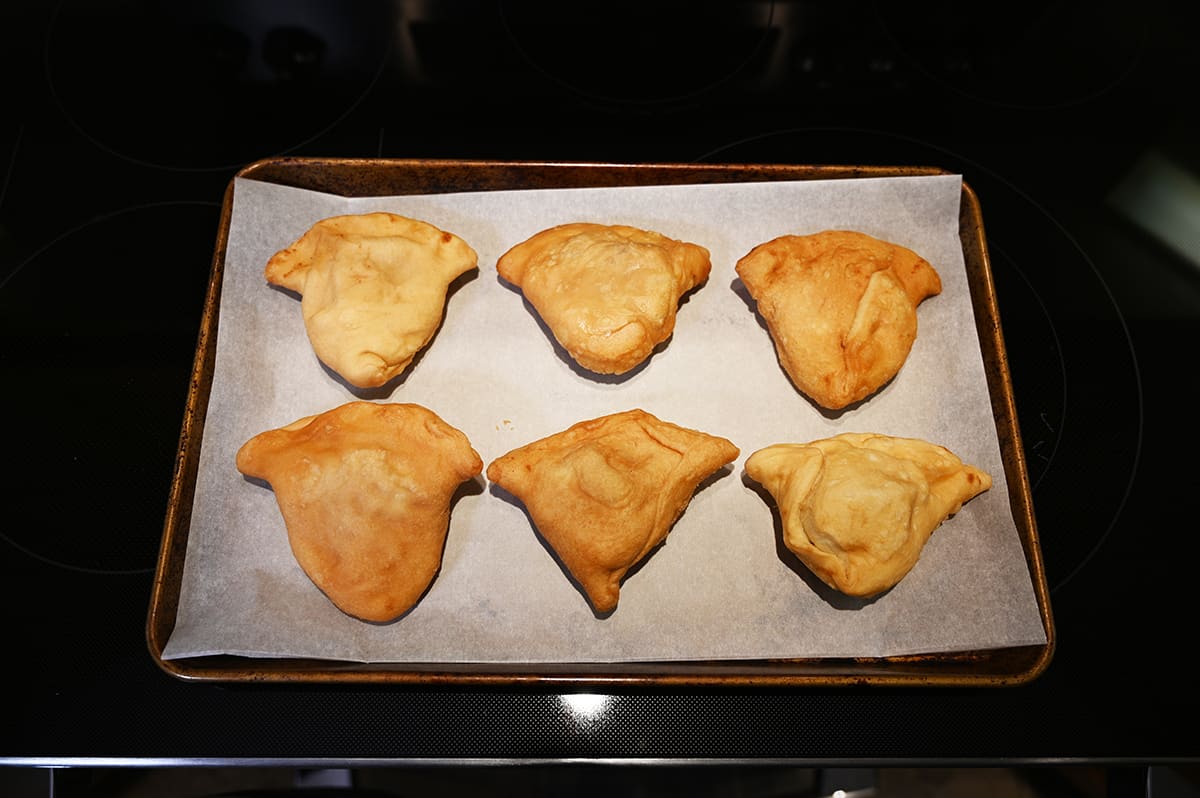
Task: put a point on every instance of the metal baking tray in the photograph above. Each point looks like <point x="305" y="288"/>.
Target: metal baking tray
<point x="384" y="177"/>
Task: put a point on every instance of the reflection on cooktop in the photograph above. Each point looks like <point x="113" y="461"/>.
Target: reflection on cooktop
<point x="641" y="52"/>
<point x="176" y="85"/>
<point x="1021" y="55"/>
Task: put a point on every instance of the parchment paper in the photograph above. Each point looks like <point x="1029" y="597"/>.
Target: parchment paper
<point x="721" y="586"/>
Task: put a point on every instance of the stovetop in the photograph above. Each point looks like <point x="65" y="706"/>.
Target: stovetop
<point x="128" y="119"/>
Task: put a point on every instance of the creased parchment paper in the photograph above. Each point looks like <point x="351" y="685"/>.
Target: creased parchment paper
<point x="721" y="587"/>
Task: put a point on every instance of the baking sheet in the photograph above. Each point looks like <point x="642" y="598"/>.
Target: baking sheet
<point x="719" y="588"/>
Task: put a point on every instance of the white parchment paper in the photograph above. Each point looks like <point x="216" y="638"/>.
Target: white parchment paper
<point x="721" y="587"/>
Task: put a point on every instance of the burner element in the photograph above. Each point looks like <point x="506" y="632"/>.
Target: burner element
<point x="97" y="332"/>
<point x="210" y="86"/>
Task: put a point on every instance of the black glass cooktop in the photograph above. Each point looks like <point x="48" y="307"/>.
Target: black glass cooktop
<point x="126" y="121"/>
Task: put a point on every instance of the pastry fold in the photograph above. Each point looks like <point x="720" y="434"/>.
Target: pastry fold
<point x="858" y="508"/>
<point x="841" y="308"/>
<point x="605" y="492"/>
<point x="608" y="293"/>
<point x="365" y="492"/>
<point x="373" y="289"/>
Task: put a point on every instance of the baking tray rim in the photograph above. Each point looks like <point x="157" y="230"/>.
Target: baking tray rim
<point x="367" y="177"/>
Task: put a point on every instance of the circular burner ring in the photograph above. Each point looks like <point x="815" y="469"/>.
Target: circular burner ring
<point x="98" y="350"/>
<point x="1072" y="360"/>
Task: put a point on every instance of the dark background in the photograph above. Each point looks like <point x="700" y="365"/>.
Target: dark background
<point x="125" y="121"/>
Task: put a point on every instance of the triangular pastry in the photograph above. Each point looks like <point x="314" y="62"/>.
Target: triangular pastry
<point x="841" y="308"/>
<point x="608" y="293"/>
<point x="365" y="492"/>
<point x="605" y="492"/>
<point x="857" y="508"/>
<point x="373" y="289"/>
